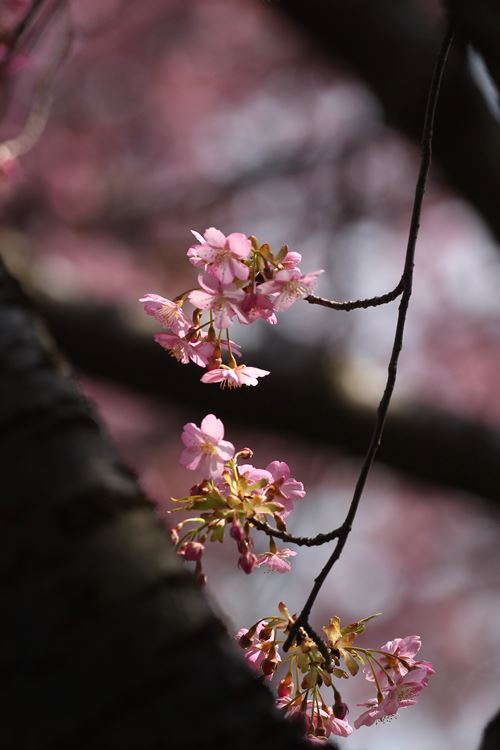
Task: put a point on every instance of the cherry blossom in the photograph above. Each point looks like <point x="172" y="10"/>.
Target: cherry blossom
<point x="234" y="377"/>
<point x="399" y="657"/>
<point x="205" y="447"/>
<point x="222" y="256"/>
<point x="222" y="300"/>
<point x="258" y="649"/>
<point x="255" y="306"/>
<point x="184" y="350"/>
<point x="166" y="312"/>
<point x="287" y="489"/>
<point x="398" y="695"/>
<point x="276" y="560"/>
<point x="290" y="285"/>
<point x="315" y="719"/>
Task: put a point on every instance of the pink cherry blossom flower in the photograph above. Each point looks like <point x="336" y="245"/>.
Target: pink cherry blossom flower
<point x="288" y="489"/>
<point x="234" y="377"/>
<point x="205" y="447"/>
<point x="255" y="306"/>
<point x="223" y="300"/>
<point x="223" y="256"/>
<point x="276" y="560"/>
<point x="330" y="723"/>
<point x="404" y="648"/>
<point x="258" y="651"/>
<point x="254" y="475"/>
<point x="291" y="259"/>
<point x="182" y="349"/>
<point x="290" y="285"/>
<point x="399" y="695"/>
<point x="166" y="312"/>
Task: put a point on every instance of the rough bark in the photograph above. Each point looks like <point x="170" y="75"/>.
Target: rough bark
<point x="106" y="640"/>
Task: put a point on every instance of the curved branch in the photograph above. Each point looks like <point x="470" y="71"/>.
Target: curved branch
<point x="300" y="541"/>
<point x="357" y="304"/>
<point x="398" y="337"/>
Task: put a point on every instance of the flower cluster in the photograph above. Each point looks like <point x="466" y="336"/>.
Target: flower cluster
<point x="303" y="672"/>
<point x="232" y="495"/>
<point x="239" y="280"/>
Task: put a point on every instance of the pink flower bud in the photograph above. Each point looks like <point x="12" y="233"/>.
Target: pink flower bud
<point x="340" y="710"/>
<point x="192" y="551"/>
<point x="236" y="531"/>
<point x="247" y="562"/>
<point x="285" y="687"/>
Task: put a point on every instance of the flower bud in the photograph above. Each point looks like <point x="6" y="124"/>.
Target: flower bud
<point x="269" y="666"/>
<point x="245" y="453"/>
<point x="236" y="531"/>
<point x="192" y="551"/>
<point x="247" y="562"/>
<point x="285" y="687"/>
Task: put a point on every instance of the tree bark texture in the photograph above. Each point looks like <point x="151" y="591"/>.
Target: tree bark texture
<point x="106" y="639"/>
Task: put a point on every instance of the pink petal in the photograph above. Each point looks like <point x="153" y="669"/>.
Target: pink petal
<point x="212" y="427"/>
<point x="215" y="237"/>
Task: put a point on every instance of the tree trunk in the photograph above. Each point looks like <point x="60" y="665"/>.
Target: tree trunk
<point x="107" y="641"/>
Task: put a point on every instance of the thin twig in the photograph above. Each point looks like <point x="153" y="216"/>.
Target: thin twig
<point x="357" y="304"/>
<point x="300" y="541"/>
<point x="407" y="279"/>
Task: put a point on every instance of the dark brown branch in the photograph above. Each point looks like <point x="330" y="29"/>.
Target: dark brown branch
<point x="300" y="541"/>
<point x="357" y="304"/>
<point x="398" y="337"/>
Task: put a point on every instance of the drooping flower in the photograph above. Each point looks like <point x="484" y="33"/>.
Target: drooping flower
<point x="205" y="447"/>
<point x="276" y="560"/>
<point x="400" y="694"/>
<point x="258" y="650"/>
<point x="320" y="722"/>
<point x="184" y="350"/>
<point x="399" y="657"/>
<point x="222" y="300"/>
<point x="166" y="312"/>
<point x="290" y="285"/>
<point x="222" y="256"/>
<point x="234" y="377"/>
<point x="255" y="306"/>
<point x="287" y="489"/>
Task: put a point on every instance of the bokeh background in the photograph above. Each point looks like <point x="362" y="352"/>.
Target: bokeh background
<point x="167" y="116"/>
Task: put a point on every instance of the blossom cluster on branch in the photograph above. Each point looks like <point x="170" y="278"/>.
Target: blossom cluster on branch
<point x="231" y="495"/>
<point x="239" y="280"/>
<point x="303" y="673"/>
<point x="234" y="495"/>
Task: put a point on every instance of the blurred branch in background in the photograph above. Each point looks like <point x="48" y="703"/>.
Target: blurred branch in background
<point x="303" y="398"/>
<point x="381" y="41"/>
